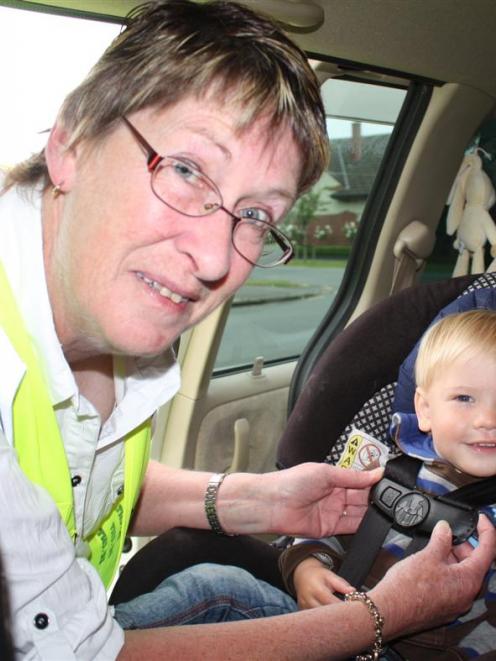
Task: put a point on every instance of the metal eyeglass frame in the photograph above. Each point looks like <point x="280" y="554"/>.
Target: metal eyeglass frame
<point x="153" y="160"/>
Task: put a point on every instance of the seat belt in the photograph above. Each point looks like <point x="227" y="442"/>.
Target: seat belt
<point x="413" y="246"/>
<point x="376" y="524"/>
<point x="397" y="503"/>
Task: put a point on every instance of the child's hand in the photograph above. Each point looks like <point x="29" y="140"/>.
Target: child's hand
<point x="315" y="584"/>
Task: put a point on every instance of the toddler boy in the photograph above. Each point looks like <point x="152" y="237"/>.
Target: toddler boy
<point x="455" y="437"/>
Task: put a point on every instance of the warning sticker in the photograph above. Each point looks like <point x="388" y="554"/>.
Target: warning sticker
<point x="363" y="452"/>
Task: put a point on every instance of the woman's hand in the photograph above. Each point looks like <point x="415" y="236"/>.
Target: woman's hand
<point x="310" y="500"/>
<point x="318" y="500"/>
<point x="436" y="584"/>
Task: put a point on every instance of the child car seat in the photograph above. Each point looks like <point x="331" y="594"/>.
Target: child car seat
<point x="352" y="384"/>
<point x="384" y="396"/>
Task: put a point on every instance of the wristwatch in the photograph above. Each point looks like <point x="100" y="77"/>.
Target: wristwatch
<point x="324" y="558"/>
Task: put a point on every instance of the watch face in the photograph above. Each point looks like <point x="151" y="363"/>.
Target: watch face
<point x="324" y="558"/>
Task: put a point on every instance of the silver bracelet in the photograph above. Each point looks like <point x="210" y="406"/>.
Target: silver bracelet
<point x="376" y="650"/>
<point x="211" y="503"/>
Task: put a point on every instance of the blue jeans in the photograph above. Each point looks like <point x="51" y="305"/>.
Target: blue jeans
<point x="201" y="594"/>
<point x="208" y="593"/>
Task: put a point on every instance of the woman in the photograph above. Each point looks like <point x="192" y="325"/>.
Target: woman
<point x="134" y="223"/>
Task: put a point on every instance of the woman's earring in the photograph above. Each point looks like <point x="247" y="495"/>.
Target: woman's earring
<point x="56" y="191"/>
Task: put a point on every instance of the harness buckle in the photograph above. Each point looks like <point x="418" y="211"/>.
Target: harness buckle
<point x="415" y="512"/>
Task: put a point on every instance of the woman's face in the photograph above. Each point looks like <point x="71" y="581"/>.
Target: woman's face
<point x="126" y="273"/>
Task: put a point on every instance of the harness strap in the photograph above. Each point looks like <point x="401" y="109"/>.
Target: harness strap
<point x="477" y="494"/>
<point x="375" y="525"/>
<point x="365" y="546"/>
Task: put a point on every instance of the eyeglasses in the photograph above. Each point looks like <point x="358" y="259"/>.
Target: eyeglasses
<point x="181" y="187"/>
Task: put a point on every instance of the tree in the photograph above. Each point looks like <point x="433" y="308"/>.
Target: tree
<point x="350" y="229"/>
<point x="300" y="217"/>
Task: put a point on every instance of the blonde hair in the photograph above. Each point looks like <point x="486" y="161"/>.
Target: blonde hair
<point x="462" y="334"/>
<point x="171" y="49"/>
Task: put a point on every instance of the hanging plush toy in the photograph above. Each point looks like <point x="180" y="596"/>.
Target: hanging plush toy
<point x="469" y="200"/>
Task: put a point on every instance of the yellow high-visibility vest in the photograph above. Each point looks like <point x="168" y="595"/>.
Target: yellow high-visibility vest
<point x="41" y="452"/>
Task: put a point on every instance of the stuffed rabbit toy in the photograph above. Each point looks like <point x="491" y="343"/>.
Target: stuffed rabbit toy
<point x="470" y="198"/>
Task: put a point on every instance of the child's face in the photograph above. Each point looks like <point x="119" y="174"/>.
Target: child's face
<point x="459" y="409"/>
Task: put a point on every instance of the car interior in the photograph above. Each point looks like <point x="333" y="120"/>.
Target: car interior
<point x="410" y="91"/>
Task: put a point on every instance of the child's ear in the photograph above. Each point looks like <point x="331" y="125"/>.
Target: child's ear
<point x="422" y="410"/>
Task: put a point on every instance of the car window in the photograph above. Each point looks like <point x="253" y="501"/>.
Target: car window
<point x="35" y="80"/>
<point x="466" y="232"/>
<point x="276" y="312"/>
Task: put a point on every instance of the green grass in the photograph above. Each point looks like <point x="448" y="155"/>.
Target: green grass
<point x="275" y="283"/>
<point x="319" y="263"/>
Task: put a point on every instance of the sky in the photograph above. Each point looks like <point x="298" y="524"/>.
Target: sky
<point x="44" y="57"/>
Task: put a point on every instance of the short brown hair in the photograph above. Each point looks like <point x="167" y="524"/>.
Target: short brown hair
<point x="173" y="48"/>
